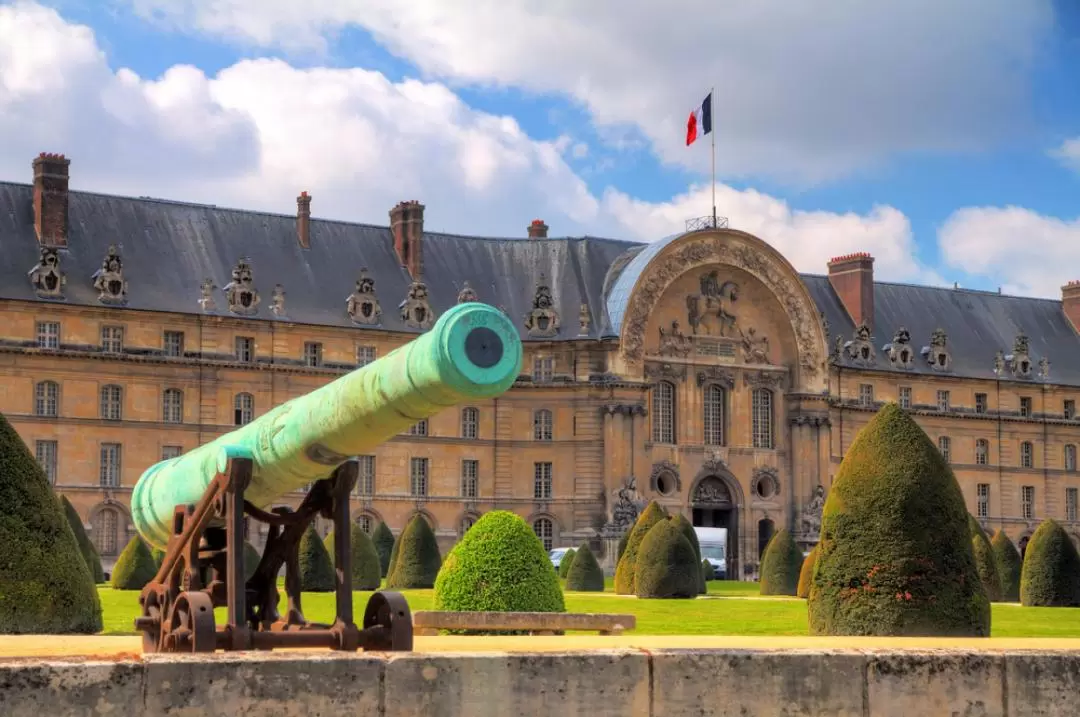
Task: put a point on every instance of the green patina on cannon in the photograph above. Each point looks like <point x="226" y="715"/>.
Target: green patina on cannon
<point x="194" y="506"/>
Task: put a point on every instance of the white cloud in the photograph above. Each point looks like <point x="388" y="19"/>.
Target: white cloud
<point x="260" y="131"/>
<point x="804" y="91"/>
<point x="1068" y="153"/>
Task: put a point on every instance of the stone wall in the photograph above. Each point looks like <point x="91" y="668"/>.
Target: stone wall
<point x="660" y="683"/>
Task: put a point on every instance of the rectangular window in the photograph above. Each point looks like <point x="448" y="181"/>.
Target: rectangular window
<point x="543" y="425"/>
<point x="1070" y="504"/>
<point x="48" y="334"/>
<point x="1027" y="455"/>
<point x="112" y="339"/>
<point x="168" y="452"/>
<point x="943" y="400"/>
<point x="46" y="452"/>
<point x="761" y="418"/>
<point x="172" y="405"/>
<point x="945" y="446"/>
<point x="112" y="402"/>
<point x="420" y="428"/>
<point x="980" y="403"/>
<point x="470" y="422"/>
<point x="245" y="349"/>
<point x="312" y="353"/>
<point x="904" y="395"/>
<point x="364" y="355"/>
<point x="982" y="452"/>
<point x="982" y="502"/>
<point x="1069" y="409"/>
<point x="542" y="481"/>
<point x="418" y="476"/>
<point x="46" y="398"/>
<point x="109" y="475"/>
<point x="866" y="394"/>
<point x="543" y="369"/>
<point x="470" y="472"/>
<point x="365" y="475"/>
<point x="173" y="343"/>
<point x="1025" y="406"/>
<point x="1027" y="501"/>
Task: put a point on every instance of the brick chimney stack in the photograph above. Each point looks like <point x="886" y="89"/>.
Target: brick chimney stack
<point x="538" y="230"/>
<point x="303" y="219"/>
<point x="852" y="278"/>
<point x="407" y="226"/>
<point x="51" y="199"/>
<point x="1070" y="303"/>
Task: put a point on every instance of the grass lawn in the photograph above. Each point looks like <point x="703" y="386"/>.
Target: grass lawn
<point x="731" y="608"/>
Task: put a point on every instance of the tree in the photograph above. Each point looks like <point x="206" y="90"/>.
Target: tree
<point x="86" y="547"/>
<point x="624" y="571"/>
<point x="46" y="586"/>
<point x="707" y="572"/>
<point x="135" y="567"/>
<point x="566" y="562"/>
<point x="1009" y="562"/>
<point x="688" y="532"/>
<point x="780" y="565"/>
<point x="895" y="556"/>
<point x="666" y="566"/>
<point x="806" y="573"/>
<point x="984" y="561"/>
<point x="366" y="570"/>
<point x="418" y="560"/>
<point x="316" y="571"/>
<point x="622" y="546"/>
<point x="585" y="574"/>
<point x="1050" y="576"/>
<point x="384" y="545"/>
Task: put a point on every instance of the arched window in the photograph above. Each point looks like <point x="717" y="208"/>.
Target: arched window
<point x="470" y="422"/>
<point x="172" y="406"/>
<point x="364" y="522"/>
<point x="761" y="418"/>
<point x="545" y="530"/>
<point x="663" y="412"/>
<point x="1027" y="455"/>
<point x="542" y="425"/>
<point x="46" y="398"/>
<point x="106" y="529"/>
<point x="112" y="402"/>
<point x="243" y="409"/>
<point x="944" y="444"/>
<point x="982" y="452"/>
<point x="1070" y="458"/>
<point x="715" y="401"/>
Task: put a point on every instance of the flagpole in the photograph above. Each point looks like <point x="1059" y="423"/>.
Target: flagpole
<point x="712" y="138"/>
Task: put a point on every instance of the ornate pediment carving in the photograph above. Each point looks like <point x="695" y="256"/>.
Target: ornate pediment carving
<point x="543" y="320"/>
<point x="714" y="463"/>
<point x="900" y="352"/>
<point x="655" y="370"/>
<point x="673" y="342"/>
<point x="717" y="375"/>
<point x="764" y="379"/>
<point x="713" y="492"/>
<point x="240" y="294"/>
<point x="810" y="519"/>
<point x="665" y="470"/>
<point x="277" y="300"/>
<point x="362" y="304"/>
<point x="206" y="295"/>
<point x="706" y="312"/>
<point x="1019" y="361"/>
<point x="109" y="279"/>
<point x="416" y="310"/>
<point x="755" y="348"/>
<point x="467" y="294"/>
<point x="860" y="349"/>
<point x="765" y="482"/>
<point x="47" y="277"/>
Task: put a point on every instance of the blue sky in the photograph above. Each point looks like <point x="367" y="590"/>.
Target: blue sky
<point x="631" y="166"/>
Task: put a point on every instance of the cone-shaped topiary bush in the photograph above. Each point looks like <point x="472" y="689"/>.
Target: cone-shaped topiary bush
<point x="622" y="546"/>
<point x="45" y="584"/>
<point x="984" y="561"/>
<point x="687" y="529"/>
<point x="624" y="570"/>
<point x="366" y="570"/>
<point x="1009" y="563"/>
<point x="780" y="565"/>
<point x="666" y="566"/>
<point x="895" y="556"/>
<point x="86" y="547"/>
<point x="499" y="565"/>
<point x="135" y="567"/>
<point x="806" y="573"/>
<point x="566" y="562"/>
<point x="1051" y="573"/>
<point x="707" y="572"/>
<point x="316" y="570"/>
<point x="585" y="574"/>
<point x="158" y="556"/>
<point x="418" y="561"/>
<point x="384" y="545"/>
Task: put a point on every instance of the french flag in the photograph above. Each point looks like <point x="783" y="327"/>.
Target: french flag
<point x="700" y="122"/>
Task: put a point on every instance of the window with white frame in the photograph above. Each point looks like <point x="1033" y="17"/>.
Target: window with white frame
<point x="112" y="339"/>
<point x="1070" y="458"/>
<point x="715" y="402"/>
<point x="545" y="531"/>
<point x="418" y="477"/>
<point x="982" y="500"/>
<point x="944" y="444"/>
<point x="46" y="453"/>
<point x="365" y="355"/>
<point x="1027" y="501"/>
<point x="866" y="394"/>
<point x="48" y="334"/>
<point x="1070" y="504"/>
<point x="542" y="480"/>
<point x="543" y="369"/>
<point x="365" y="523"/>
<point x="1027" y="455"/>
<point x="943" y="401"/>
<point x="365" y="475"/>
<point x="1068" y="409"/>
<point x="105" y="527"/>
<point x="312" y="353"/>
<point x="112" y="402"/>
<point x="663" y="412"/>
<point x="904" y="396"/>
<point x="981" y="403"/>
<point x="543" y="425"/>
<point x="470" y="478"/>
<point x="109" y="471"/>
<point x="245" y="349"/>
<point x="172" y="406"/>
<point x="420" y="428"/>
<point x="47" y="398"/>
<point x="470" y="422"/>
<point x="1025" y="406"/>
<point x="173" y="343"/>
<point x="982" y="452"/>
<point x="243" y="409"/>
<point x="761" y="418"/>
<point x="168" y="452"/>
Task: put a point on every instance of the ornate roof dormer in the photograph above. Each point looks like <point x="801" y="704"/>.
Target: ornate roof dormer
<point x="937" y="353"/>
<point x="543" y="320"/>
<point x="109" y="279"/>
<point x="860" y="350"/>
<point x="277" y="300"/>
<point x="584" y="318"/>
<point x="47" y="277"/>
<point x="900" y="352"/>
<point x="240" y="293"/>
<point x="467" y="294"/>
<point x="416" y="309"/>
<point x="206" y="295"/>
<point x="1019" y="361"/>
<point x="362" y="305"/>
<point x="1044" y="368"/>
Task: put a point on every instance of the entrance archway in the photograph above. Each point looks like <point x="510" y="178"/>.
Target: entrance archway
<point x="713" y="505"/>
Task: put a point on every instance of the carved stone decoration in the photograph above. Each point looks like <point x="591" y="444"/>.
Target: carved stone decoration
<point x="626" y="505"/>
<point x="764" y="379"/>
<point x="714" y="464"/>
<point x="900" y="352"/>
<point x="765" y="482"/>
<point x="860" y="350"/>
<point x="717" y="375"/>
<point x="1044" y="368"/>
<point x="240" y="293"/>
<point x="999" y="362"/>
<point x="712" y="492"/>
<point x="837" y="353"/>
<point x="825" y="328"/>
<point x="362" y="305"/>
<point x="109" y="279"/>
<point x="811" y="513"/>
<point x="937" y="353"/>
<point x="277" y="300"/>
<point x="1019" y="361"/>
<point x="707" y="308"/>
<point x="661" y="470"/>
<point x="467" y="294"/>
<point x="206" y="295"/>
<point x="416" y="310"/>
<point x="741" y="252"/>
<point x="755" y="349"/>
<point x="583" y="320"/>
<point x="673" y="342"/>
<point x="47" y="277"/>
<point x="655" y="371"/>
<point x="543" y="320"/>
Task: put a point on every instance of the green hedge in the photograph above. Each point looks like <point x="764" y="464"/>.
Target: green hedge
<point x="895" y="555"/>
<point x="1051" y="573"/>
<point x="624" y="571"/>
<point x="316" y="569"/>
<point x="666" y="566"/>
<point x="687" y="529"/>
<point x="383" y="539"/>
<point x="417" y="562"/>
<point x="135" y="567"/>
<point x="780" y="565"/>
<point x="707" y="572"/>
<point x="984" y="561"/>
<point x="86" y="546"/>
<point x="806" y="573"/>
<point x="585" y="574"/>
<point x="366" y="570"/>
<point x="1008" y="561"/>
<point x="566" y="562"/>
<point x="46" y="586"/>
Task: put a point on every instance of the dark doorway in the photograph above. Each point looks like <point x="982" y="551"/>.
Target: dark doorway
<point x="765" y="530"/>
<point x="712" y="507"/>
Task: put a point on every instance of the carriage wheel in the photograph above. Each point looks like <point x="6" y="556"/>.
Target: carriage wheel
<point x="389" y="610"/>
<point x="191" y="624"/>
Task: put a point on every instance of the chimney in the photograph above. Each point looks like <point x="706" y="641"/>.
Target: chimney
<point x="852" y="278"/>
<point x="407" y="226"/>
<point x="1070" y="303"/>
<point x="303" y="219"/>
<point x="51" y="199"/>
<point x="538" y="230"/>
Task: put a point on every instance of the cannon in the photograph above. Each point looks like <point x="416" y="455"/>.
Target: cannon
<point x="195" y="506"/>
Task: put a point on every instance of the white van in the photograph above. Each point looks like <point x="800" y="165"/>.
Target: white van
<point x="713" y="542"/>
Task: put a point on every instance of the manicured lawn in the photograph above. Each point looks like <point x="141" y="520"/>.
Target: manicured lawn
<point x="731" y="608"/>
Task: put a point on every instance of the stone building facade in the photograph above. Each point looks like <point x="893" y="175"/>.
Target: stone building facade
<point x="700" y="370"/>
